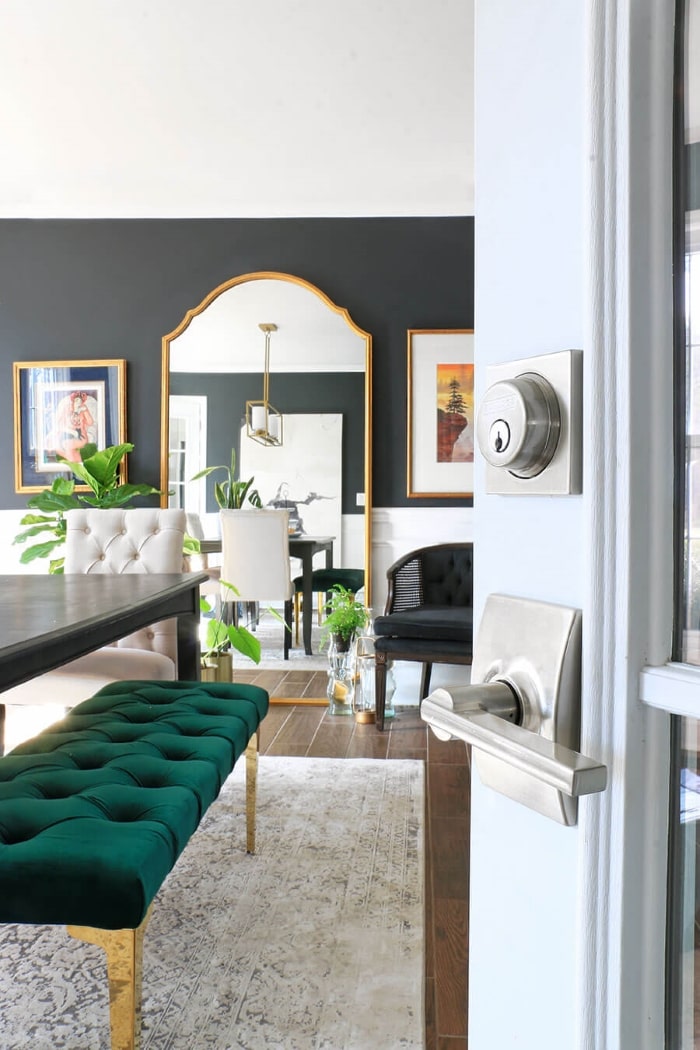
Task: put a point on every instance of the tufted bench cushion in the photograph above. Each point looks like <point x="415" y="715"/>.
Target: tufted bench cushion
<point x="95" y="810"/>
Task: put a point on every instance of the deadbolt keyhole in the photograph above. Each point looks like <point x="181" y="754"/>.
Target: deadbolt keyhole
<point x="499" y="436"/>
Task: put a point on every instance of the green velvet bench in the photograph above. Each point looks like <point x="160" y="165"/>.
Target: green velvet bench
<point x="96" y="810"/>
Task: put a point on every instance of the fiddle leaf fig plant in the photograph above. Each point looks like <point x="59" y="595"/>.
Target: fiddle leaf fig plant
<point x="99" y="471"/>
<point x="232" y="494"/>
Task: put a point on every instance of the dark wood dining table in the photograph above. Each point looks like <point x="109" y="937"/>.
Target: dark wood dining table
<point x="46" y="621"/>
<point x="305" y="548"/>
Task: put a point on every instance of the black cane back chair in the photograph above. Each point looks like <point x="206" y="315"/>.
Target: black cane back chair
<point x="428" y="616"/>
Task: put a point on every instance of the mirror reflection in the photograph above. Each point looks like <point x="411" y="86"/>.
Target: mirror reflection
<point x="264" y="340"/>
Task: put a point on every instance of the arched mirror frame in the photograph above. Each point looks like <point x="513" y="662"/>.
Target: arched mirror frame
<point x="272" y="275"/>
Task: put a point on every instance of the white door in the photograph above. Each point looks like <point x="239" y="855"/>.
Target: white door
<point x="573" y="249"/>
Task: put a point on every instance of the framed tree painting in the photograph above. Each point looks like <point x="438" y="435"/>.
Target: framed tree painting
<point x="60" y="406"/>
<point x="440" y="413"/>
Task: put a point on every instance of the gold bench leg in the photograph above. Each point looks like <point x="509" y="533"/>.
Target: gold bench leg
<point x="251" y="777"/>
<point x="124" y="950"/>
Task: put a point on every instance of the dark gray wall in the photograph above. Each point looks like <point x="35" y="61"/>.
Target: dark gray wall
<point x="83" y="289"/>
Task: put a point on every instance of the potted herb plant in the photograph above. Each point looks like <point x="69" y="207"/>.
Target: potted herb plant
<point x="346" y="616"/>
<point x="99" y="471"/>
<point x="232" y="493"/>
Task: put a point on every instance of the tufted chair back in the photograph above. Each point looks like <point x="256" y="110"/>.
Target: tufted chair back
<point x="437" y="575"/>
<point x="120" y="540"/>
<point x="446" y="574"/>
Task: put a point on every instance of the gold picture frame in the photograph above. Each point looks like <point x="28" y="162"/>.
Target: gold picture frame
<point x="59" y="406"/>
<point x="440" y="413"/>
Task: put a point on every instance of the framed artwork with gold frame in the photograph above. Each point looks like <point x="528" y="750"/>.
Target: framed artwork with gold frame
<point x="59" y="407"/>
<point x="440" y="413"/>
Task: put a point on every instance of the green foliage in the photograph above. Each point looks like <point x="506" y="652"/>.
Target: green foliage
<point x="99" y="471"/>
<point x="346" y="615"/>
<point x="222" y="636"/>
<point x="232" y="494"/>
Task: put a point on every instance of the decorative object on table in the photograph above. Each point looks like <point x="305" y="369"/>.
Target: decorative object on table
<point x="232" y="494"/>
<point x="221" y="638"/>
<point x="440" y="413"/>
<point x="263" y="421"/>
<point x="346" y="616"/>
<point x="102" y="474"/>
<point x="60" y="407"/>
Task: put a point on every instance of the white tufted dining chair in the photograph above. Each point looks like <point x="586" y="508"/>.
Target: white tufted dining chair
<point x="114" y="542"/>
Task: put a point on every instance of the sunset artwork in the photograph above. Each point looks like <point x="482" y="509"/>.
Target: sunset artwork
<point x="455" y="412"/>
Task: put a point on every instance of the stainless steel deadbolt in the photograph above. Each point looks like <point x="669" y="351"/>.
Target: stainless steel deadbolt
<point x="519" y="424"/>
<point x="528" y="426"/>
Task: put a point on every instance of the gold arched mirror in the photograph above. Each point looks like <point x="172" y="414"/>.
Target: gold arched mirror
<point x="319" y="380"/>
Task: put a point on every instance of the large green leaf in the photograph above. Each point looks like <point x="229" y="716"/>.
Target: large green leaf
<point x="40" y="550"/>
<point x="119" y="496"/>
<point x="221" y="494"/>
<point x="35" y="519"/>
<point x="217" y="636"/>
<point x="36" y="530"/>
<point x="207" y="470"/>
<point x="53" y="501"/>
<point x="103" y="466"/>
<point x="246" y="643"/>
<point x="191" y="545"/>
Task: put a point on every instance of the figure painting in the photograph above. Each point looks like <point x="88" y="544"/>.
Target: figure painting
<point x="69" y="419"/>
<point x="60" y="408"/>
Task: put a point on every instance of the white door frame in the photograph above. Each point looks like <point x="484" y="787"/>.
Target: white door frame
<point x="628" y="486"/>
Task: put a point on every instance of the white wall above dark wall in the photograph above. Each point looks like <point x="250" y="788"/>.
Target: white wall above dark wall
<point x="171" y="108"/>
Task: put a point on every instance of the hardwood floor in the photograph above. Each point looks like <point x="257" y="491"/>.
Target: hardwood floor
<point x="307" y="730"/>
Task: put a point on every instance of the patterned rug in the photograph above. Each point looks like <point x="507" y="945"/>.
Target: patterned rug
<point x="314" y="943"/>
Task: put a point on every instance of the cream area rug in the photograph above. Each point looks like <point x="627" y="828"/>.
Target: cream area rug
<point x="313" y="943"/>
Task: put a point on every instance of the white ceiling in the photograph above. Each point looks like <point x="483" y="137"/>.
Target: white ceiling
<point x="241" y="108"/>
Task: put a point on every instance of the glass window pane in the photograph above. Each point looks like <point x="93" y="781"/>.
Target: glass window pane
<point x="683" y="943"/>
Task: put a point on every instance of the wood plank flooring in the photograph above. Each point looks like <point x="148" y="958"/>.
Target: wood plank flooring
<point x="307" y="730"/>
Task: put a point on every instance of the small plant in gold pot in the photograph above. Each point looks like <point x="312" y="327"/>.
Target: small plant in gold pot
<point x="221" y="639"/>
